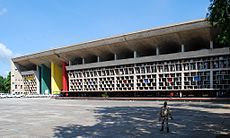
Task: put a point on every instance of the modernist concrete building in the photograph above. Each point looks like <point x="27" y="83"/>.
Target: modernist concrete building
<point x="179" y="58"/>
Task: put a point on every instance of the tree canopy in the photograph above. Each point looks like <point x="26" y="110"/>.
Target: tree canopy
<point x="219" y="16"/>
<point x="5" y="83"/>
<point x="2" y="86"/>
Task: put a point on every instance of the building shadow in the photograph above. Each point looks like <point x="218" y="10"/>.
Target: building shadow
<point x="127" y="122"/>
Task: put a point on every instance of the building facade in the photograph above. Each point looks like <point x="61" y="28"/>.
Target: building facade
<point x="179" y="58"/>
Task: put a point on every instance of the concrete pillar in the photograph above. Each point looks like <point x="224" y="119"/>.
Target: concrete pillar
<point x="115" y="56"/>
<point x="45" y="80"/>
<point x="83" y="60"/>
<point x="135" y="82"/>
<point x="157" y="81"/>
<point x="211" y="79"/>
<point x="181" y="94"/>
<point x="134" y="79"/>
<point x="98" y="59"/>
<point x="70" y="62"/>
<point x="56" y="78"/>
<point x="38" y="79"/>
<point x="64" y="77"/>
<point x="211" y="44"/>
<point x="135" y="54"/>
<point x="182" y="47"/>
<point x="157" y="51"/>
<point x="211" y="75"/>
<point x="182" y="76"/>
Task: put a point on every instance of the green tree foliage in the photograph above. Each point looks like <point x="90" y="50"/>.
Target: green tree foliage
<point x="219" y="16"/>
<point x="5" y="83"/>
<point x="2" y="86"/>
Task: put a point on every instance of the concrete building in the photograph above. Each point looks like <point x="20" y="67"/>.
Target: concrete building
<point x="179" y="58"/>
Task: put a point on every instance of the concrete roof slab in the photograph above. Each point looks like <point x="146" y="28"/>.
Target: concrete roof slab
<point x="156" y="37"/>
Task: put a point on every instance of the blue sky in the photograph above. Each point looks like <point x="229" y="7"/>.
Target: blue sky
<point x="30" y="26"/>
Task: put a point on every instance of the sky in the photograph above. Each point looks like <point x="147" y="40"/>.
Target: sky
<point x="31" y="26"/>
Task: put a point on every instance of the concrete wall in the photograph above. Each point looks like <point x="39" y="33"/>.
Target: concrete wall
<point x="56" y="78"/>
<point x="17" y="84"/>
<point x="45" y="80"/>
<point x="64" y="77"/>
<point x="31" y="80"/>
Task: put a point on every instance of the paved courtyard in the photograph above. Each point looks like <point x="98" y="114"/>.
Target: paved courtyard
<point x="25" y="118"/>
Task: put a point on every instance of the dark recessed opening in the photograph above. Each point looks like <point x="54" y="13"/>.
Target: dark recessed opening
<point x="91" y="59"/>
<point x="125" y="54"/>
<point x="28" y="67"/>
<point x="169" y="47"/>
<point x="197" y="44"/>
<point x="146" y="51"/>
<point x="107" y="57"/>
<point x="76" y="61"/>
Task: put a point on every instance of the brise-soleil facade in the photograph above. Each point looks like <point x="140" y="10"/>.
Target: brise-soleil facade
<point x="179" y="58"/>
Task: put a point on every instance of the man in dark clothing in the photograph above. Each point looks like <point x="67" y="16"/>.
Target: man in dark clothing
<point x="165" y="113"/>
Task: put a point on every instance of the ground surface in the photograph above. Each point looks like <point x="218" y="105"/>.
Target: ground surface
<point x="27" y="118"/>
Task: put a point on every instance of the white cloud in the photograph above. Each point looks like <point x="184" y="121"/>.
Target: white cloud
<point x="3" y="11"/>
<point x="5" y="53"/>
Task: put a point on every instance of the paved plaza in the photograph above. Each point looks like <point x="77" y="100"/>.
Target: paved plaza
<point x="25" y="118"/>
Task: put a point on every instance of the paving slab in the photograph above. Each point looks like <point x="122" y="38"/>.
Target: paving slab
<point x="45" y="118"/>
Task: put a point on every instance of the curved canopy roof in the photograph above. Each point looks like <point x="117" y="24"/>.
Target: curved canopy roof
<point x="191" y="34"/>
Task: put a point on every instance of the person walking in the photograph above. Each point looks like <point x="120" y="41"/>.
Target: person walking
<point x="165" y="114"/>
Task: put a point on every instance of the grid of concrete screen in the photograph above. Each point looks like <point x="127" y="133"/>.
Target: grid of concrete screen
<point x="30" y="83"/>
<point x="184" y="74"/>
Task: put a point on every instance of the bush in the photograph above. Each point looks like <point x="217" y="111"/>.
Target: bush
<point x="105" y="95"/>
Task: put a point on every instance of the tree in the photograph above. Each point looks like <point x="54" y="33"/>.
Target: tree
<point x="7" y="82"/>
<point x="219" y="16"/>
<point x="2" y="86"/>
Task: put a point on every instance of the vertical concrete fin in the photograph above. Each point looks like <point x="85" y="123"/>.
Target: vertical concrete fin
<point x="56" y="78"/>
<point x="45" y="79"/>
<point x="64" y="77"/>
<point x="38" y="78"/>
